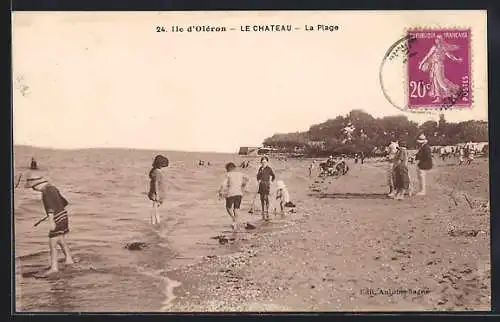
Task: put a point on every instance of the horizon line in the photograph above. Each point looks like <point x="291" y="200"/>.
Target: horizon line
<point x="115" y="148"/>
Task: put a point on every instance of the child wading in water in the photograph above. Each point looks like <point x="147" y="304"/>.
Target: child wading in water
<point x="157" y="186"/>
<point x="265" y="176"/>
<point x="54" y="204"/>
<point x="232" y="189"/>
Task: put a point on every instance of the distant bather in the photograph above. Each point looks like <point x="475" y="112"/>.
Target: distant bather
<point x="33" y="165"/>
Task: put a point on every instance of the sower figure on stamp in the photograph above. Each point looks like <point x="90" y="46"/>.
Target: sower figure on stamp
<point x="55" y="207"/>
<point x="433" y="63"/>
<point x="424" y="157"/>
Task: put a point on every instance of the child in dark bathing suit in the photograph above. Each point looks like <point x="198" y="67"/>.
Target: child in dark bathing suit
<point x="265" y="176"/>
<point x="54" y="204"/>
<point x="157" y="186"/>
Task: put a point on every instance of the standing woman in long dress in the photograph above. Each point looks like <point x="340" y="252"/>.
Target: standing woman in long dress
<point x="157" y="186"/>
<point x="402" y="178"/>
<point x="391" y="153"/>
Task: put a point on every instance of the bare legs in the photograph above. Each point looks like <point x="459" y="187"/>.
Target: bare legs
<point x="390" y="180"/>
<point x="155" y="216"/>
<point x="422" y="182"/>
<point x="65" y="249"/>
<point x="233" y="213"/>
<point x="53" y="242"/>
<point x="264" y="202"/>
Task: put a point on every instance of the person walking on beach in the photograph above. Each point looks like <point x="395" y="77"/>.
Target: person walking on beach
<point x="461" y="154"/>
<point x="470" y="156"/>
<point x="401" y="176"/>
<point x="442" y="153"/>
<point x="392" y="149"/>
<point x="55" y="208"/>
<point x="311" y="167"/>
<point x="232" y="189"/>
<point x="424" y="158"/>
<point x="265" y="176"/>
<point x="157" y="186"/>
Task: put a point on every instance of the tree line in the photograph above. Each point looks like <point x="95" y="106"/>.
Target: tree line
<point x="372" y="134"/>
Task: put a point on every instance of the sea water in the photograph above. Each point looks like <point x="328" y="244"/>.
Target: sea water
<point x="109" y="208"/>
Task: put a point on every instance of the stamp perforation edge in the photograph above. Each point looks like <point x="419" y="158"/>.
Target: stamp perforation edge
<point x="426" y="108"/>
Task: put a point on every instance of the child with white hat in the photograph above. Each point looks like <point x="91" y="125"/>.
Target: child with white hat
<point x="282" y="195"/>
<point x="55" y="207"/>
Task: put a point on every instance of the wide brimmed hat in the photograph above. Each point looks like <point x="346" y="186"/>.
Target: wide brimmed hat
<point x="34" y="180"/>
<point x="421" y="139"/>
<point x="280" y="184"/>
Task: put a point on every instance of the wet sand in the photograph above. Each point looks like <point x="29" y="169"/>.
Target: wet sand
<point x="345" y="248"/>
<point x="350" y="248"/>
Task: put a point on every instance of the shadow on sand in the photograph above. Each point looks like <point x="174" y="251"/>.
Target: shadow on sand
<point x="350" y="195"/>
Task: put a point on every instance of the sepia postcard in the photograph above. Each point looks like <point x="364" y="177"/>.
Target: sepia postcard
<point x="250" y="161"/>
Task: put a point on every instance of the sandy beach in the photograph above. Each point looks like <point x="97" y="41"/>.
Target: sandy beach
<point x="345" y="246"/>
<point x="352" y="249"/>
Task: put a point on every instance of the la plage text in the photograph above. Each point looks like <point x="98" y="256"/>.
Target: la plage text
<point x="281" y="28"/>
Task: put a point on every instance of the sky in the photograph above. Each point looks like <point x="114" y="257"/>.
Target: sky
<point x="85" y="80"/>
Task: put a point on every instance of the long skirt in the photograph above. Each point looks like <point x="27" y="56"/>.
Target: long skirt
<point x="390" y="174"/>
<point x="401" y="177"/>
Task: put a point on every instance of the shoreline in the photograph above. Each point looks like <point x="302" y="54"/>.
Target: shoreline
<point x="346" y="247"/>
<point x="302" y="268"/>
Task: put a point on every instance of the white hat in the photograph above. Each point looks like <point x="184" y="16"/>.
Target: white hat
<point x="34" y="180"/>
<point x="421" y="138"/>
<point x="280" y="184"/>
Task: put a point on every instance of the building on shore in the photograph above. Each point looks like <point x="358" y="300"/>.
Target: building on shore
<point x="255" y="151"/>
<point x="247" y="150"/>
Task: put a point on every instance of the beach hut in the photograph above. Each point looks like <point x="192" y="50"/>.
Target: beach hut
<point x="246" y="150"/>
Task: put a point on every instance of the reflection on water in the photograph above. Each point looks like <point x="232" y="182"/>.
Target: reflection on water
<point x="109" y="208"/>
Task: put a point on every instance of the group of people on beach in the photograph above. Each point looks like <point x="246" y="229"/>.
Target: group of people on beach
<point x="465" y="154"/>
<point x="235" y="183"/>
<point x="232" y="189"/>
<point x="398" y="177"/>
<point x="204" y="163"/>
<point x="331" y="166"/>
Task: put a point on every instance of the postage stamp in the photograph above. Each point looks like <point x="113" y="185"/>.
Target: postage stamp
<point x="439" y="68"/>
